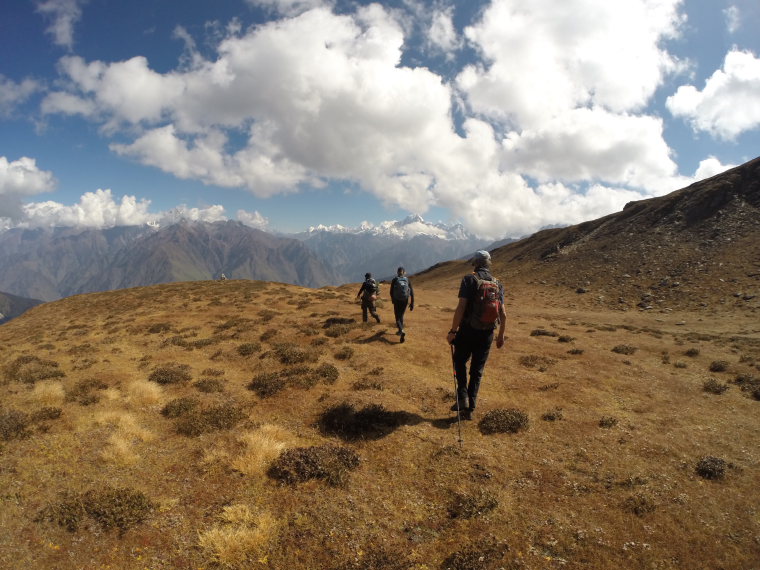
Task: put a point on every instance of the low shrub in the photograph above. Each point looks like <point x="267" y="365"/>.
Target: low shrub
<point x="289" y="353"/>
<point x="267" y="384"/>
<point x="159" y="328"/>
<point x="566" y="338"/>
<point x="209" y="385"/>
<point x="331" y="463"/>
<point x="692" y="352"/>
<point x="215" y="418"/>
<point x="82" y="391"/>
<point x="213" y="372"/>
<point x="639" y="504"/>
<point x="542" y="363"/>
<point x="179" y="407"/>
<point x="710" y="467"/>
<point x="503" y="421"/>
<point x="377" y="558"/>
<point x="111" y="508"/>
<point x="327" y="372"/>
<point x="471" y="505"/>
<point x="170" y="374"/>
<point x="46" y="413"/>
<point x="345" y="353"/>
<point x="366" y="385"/>
<point x="713" y="386"/>
<point x="13" y="425"/>
<point x="29" y="369"/>
<point x="248" y="348"/>
<point x="547" y="387"/>
<point x="626" y="349"/>
<point x="718" y="366"/>
<point x="607" y="422"/>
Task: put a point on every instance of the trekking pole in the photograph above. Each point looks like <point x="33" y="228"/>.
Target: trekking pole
<point x="456" y="392"/>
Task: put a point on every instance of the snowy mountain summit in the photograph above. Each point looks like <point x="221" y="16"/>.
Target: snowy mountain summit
<point x="411" y="226"/>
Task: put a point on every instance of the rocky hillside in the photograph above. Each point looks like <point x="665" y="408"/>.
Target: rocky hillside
<point x="697" y="248"/>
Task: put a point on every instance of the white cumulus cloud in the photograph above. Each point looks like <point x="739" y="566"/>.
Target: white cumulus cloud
<point x="63" y="16"/>
<point x="13" y="94"/>
<point x="252" y="219"/>
<point x="729" y="104"/>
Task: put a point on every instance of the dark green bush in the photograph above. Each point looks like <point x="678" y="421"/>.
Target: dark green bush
<point x="503" y="421"/>
<point x="330" y="463"/>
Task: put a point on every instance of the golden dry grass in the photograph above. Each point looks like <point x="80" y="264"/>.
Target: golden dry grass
<point x="568" y="493"/>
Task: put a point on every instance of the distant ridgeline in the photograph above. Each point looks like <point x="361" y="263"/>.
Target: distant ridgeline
<point x="12" y="306"/>
<point x="49" y="264"/>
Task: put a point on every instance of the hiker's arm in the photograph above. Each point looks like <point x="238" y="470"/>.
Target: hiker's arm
<point x="360" y="290"/>
<point x="411" y="297"/>
<point x="457" y="319"/>
<point x="502" y="326"/>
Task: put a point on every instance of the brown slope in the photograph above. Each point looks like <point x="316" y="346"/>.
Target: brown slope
<point x="696" y="248"/>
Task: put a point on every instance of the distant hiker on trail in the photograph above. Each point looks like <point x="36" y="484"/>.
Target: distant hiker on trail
<point x="369" y="292"/>
<point x="480" y="310"/>
<point x="402" y="295"/>
<point x="223" y="277"/>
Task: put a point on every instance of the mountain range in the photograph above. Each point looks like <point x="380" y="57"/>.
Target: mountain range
<point x="49" y="264"/>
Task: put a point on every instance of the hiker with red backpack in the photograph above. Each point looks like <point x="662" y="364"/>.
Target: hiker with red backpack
<point x="479" y="312"/>
<point x="369" y="292"/>
<point x="402" y="295"/>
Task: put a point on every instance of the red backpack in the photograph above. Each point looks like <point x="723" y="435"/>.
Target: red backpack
<point x="484" y="308"/>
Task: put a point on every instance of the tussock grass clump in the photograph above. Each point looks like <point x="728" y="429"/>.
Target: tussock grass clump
<point x="552" y="415"/>
<point x="543" y="332"/>
<point x="267" y="384"/>
<point x="289" y="353"/>
<point x="330" y="463"/>
<point x="29" y="369"/>
<point x="371" y="422"/>
<point x="718" y="366"/>
<point x="215" y="418"/>
<point x="170" y="374"/>
<point x="209" y="385"/>
<point x="626" y="349"/>
<point x="542" y="363"/>
<point x="607" y="422"/>
<point x="13" y="425"/>
<point x="112" y="508"/>
<point x="345" y="353"/>
<point x="710" y="467"/>
<point x="179" y="407"/>
<point x="248" y="348"/>
<point x="714" y="386"/>
<point x="639" y="504"/>
<point x="487" y="554"/>
<point x="239" y="539"/>
<point x="83" y="391"/>
<point x="471" y="505"/>
<point x="510" y="420"/>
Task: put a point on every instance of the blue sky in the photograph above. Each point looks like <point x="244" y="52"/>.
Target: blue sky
<point x="504" y="115"/>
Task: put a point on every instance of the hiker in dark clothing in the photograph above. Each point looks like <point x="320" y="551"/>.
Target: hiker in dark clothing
<point x="369" y="292"/>
<point x="471" y="333"/>
<point x="402" y="296"/>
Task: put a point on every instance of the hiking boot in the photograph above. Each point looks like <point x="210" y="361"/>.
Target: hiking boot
<point x="466" y="414"/>
<point x="377" y="318"/>
<point x="462" y="407"/>
<point x="403" y="336"/>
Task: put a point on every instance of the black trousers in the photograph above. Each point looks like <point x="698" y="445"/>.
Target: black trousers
<point x="399" y="308"/>
<point x="473" y="345"/>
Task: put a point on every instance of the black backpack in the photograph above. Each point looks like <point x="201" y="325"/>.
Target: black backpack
<point x="371" y="289"/>
<point x="401" y="289"/>
<point x="484" y="308"/>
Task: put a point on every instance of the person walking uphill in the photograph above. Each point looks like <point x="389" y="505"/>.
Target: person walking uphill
<point x="479" y="312"/>
<point x="402" y="295"/>
<point x="369" y="292"/>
